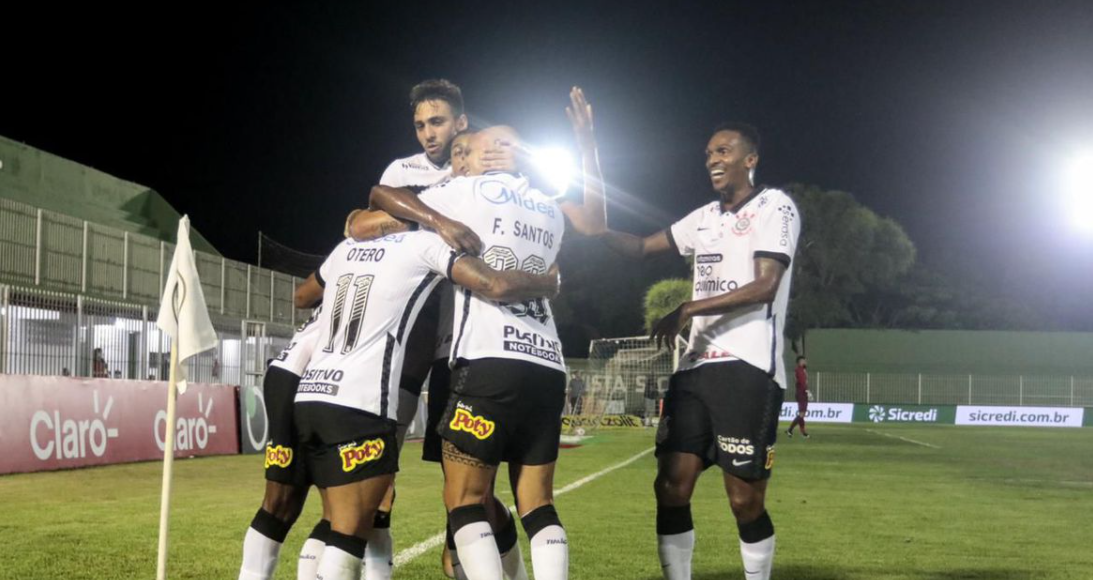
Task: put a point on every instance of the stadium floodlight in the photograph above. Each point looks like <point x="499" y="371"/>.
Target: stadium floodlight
<point x="1078" y="184"/>
<point x="556" y="165"/>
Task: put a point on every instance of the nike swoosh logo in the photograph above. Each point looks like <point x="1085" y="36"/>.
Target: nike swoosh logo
<point x="739" y="463"/>
<point x="702" y="229"/>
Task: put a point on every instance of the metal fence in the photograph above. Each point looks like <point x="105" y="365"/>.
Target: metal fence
<point x="53" y="251"/>
<point x="45" y="332"/>
<point x="950" y="389"/>
<point x="616" y="390"/>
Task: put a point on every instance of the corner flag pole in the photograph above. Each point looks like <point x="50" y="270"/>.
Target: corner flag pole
<point x="168" y="465"/>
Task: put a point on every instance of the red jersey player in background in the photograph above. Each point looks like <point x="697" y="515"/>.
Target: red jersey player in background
<point x="802" y="397"/>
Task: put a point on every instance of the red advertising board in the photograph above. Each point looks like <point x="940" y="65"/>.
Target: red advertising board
<point x="62" y="422"/>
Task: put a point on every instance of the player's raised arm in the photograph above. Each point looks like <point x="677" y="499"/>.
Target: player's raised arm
<point x="308" y="294"/>
<point x="504" y="286"/>
<point x="365" y="224"/>
<point x="761" y="290"/>
<point x="589" y="217"/>
<point x="403" y="204"/>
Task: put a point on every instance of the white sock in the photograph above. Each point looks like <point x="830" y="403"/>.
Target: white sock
<point x="758" y="558"/>
<point x="550" y="554"/>
<point x="512" y="562"/>
<point x="308" y="564"/>
<point x="675" y="554"/>
<point x="378" y="555"/>
<point x="478" y="552"/>
<point x="259" y="556"/>
<point x="337" y="564"/>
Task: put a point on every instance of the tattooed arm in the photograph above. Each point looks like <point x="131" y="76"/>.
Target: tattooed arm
<point x="507" y="286"/>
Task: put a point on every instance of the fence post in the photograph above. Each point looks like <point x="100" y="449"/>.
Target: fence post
<point x="125" y="267"/>
<point x="818" y="383"/>
<point x="38" y="250"/>
<point x="248" y="290"/>
<point x="223" y="282"/>
<point x="1071" y="390"/>
<point x="5" y="327"/>
<point x="919" y="388"/>
<point x="272" y="277"/>
<point x="76" y="370"/>
<point x="83" y="276"/>
<point x="1021" y="390"/>
<point x="969" y="389"/>
<point x="162" y="253"/>
<point x="868" y="382"/>
<point x="143" y="343"/>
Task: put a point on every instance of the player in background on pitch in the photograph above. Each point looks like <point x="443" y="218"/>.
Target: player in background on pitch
<point x="345" y="413"/>
<point x="723" y="403"/>
<point x="508" y="387"/>
<point x="802" y="398"/>
<point x="287" y="482"/>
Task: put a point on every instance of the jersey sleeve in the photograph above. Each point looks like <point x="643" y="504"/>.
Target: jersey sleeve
<point x="323" y="273"/>
<point x="437" y="255"/>
<point x="682" y="234"/>
<point x="448" y="199"/>
<point x="391" y="176"/>
<point x="778" y="230"/>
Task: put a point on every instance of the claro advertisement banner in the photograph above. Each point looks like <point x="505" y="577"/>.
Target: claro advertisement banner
<point x="62" y="422"/>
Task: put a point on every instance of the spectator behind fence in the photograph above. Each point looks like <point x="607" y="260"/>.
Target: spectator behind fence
<point x="98" y="365"/>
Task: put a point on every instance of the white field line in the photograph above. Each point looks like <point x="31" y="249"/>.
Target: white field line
<point x="907" y="439"/>
<point x="409" y="554"/>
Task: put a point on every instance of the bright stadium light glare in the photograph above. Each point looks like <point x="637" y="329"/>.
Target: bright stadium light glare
<point x="555" y="164"/>
<point x="1078" y="184"/>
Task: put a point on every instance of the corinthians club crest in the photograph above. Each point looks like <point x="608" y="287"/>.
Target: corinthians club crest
<point x="743" y="224"/>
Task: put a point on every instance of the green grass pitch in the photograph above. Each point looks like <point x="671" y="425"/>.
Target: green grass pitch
<point x="854" y="502"/>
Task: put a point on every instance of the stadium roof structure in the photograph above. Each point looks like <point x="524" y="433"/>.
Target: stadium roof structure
<point x="44" y="180"/>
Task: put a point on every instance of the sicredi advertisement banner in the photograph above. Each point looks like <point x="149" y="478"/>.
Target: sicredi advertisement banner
<point x="904" y="414"/>
<point x="1020" y="416"/>
<point x="63" y="422"/>
<point x="820" y="412"/>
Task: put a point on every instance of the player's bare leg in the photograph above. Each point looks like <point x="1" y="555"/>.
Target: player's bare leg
<point x="748" y="502"/>
<point x="533" y="486"/>
<point x="467" y="482"/>
<point x="504" y="529"/>
<point x="352" y="511"/>
<point x="677" y="474"/>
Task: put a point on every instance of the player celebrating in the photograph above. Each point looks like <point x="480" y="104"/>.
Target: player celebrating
<point x="286" y="481"/>
<point x="723" y="403"/>
<point x="508" y="388"/>
<point x="344" y="410"/>
<point x="802" y="398"/>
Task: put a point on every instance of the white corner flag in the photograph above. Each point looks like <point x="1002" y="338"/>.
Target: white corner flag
<point x="182" y="313"/>
<point x="184" y="316"/>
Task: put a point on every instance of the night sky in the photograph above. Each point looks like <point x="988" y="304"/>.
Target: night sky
<point x="955" y="117"/>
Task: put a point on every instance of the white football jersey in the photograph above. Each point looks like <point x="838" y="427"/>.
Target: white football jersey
<point x="415" y="172"/>
<point x="295" y="356"/>
<point x="724" y="246"/>
<point x="521" y="229"/>
<point x="373" y="292"/>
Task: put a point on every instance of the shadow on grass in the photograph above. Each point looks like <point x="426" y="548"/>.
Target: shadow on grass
<point x="806" y="572"/>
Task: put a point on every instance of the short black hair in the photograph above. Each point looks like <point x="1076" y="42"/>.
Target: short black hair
<point x="748" y="132"/>
<point x="800" y="358"/>
<point x="437" y="90"/>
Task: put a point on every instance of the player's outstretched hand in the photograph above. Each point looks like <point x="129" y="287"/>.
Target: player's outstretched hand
<point x="580" y="115"/>
<point x="459" y="236"/>
<point x="669" y="327"/>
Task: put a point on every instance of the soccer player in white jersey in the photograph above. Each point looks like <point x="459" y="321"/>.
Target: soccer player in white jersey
<point x="508" y="385"/>
<point x="345" y="406"/>
<point x="287" y="482"/>
<point x="723" y="403"/>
